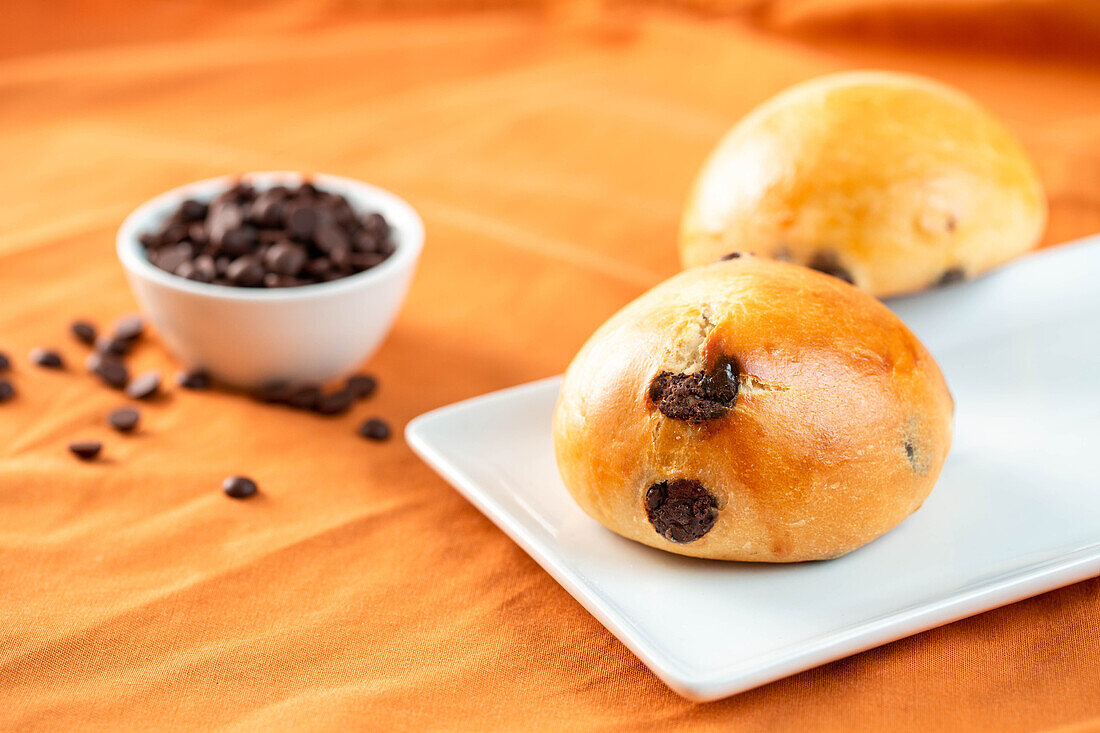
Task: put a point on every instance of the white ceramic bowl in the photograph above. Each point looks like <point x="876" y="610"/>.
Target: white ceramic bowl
<point x="248" y="336"/>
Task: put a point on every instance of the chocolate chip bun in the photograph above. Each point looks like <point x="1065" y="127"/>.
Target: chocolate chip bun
<point x="752" y="410"/>
<point x="892" y="182"/>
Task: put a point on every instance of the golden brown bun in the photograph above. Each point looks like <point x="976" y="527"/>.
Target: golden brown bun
<point x="892" y="181"/>
<point x="838" y="431"/>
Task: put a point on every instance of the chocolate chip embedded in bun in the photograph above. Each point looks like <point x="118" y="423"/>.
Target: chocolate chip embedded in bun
<point x="680" y="510"/>
<point x="752" y="410"/>
<point x="697" y="397"/>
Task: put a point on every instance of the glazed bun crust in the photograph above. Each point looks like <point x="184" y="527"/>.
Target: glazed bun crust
<point x="894" y="182"/>
<point x="838" y="429"/>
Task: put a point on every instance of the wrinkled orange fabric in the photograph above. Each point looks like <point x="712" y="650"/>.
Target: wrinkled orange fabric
<point x="549" y="149"/>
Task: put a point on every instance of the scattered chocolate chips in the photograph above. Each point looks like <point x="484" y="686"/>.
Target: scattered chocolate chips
<point x="239" y="487"/>
<point x="86" y="450"/>
<point x="5" y="362"/>
<point x="699" y="396"/>
<point x="374" y="429"/>
<point x="143" y="386"/>
<point x="828" y="262"/>
<point x="361" y="386"/>
<point x="276" y="238"/>
<point x="193" y="379"/>
<point x="681" y="510"/>
<point x="7" y="390"/>
<point x="124" y="419"/>
<point x="950" y="276"/>
<point x="47" y="358"/>
<point x="84" y="331"/>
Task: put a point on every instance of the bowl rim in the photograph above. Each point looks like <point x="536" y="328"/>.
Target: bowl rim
<point x="398" y="212"/>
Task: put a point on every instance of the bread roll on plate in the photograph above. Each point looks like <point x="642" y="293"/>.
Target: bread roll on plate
<point x="752" y="410"/>
<point x="890" y="181"/>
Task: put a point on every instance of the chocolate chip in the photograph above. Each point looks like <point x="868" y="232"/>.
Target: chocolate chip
<point x="374" y="429"/>
<point x="116" y="346"/>
<point x="186" y="270"/>
<point x="224" y="217"/>
<point x="386" y="247"/>
<point x="86" y="450"/>
<point x="7" y="390"/>
<point x="681" y="510"/>
<point x="204" y="269"/>
<point x="174" y="233"/>
<point x="239" y="241"/>
<point x="170" y="258"/>
<point x="143" y="386"/>
<point x="109" y="368"/>
<point x="301" y="222"/>
<point x="699" y="396"/>
<point x="828" y="262"/>
<point x="377" y="225"/>
<point x="330" y="238"/>
<point x="305" y="397"/>
<point x="285" y="258"/>
<point x="274" y="392"/>
<point x="5" y="362"/>
<point x="47" y="358"/>
<point x="340" y="257"/>
<point x="361" y="386"/>
<point x="364" y="241"/>
<point x="129" y="328"/>
<point x="335" y="403"/>
<point x="84" y="331"/>
<point x="193" y="379"/>
<point x="729" y="256"/>
<point x="124" y="419"/>
<point x="274" y="280"/>
<point x="245" y="271"/>
<point x="950" y="276"/>
<point x="192" y="210"/>
<point x="267" y="209"/>
<point x="239" y="487"/>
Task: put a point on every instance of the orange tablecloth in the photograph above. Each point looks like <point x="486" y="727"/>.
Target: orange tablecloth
<point x="549" y="150"/>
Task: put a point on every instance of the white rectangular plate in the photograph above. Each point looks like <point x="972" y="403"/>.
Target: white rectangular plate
<point x="1016" y="511"/>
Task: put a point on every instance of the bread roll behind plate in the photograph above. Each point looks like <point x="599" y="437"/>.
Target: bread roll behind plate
<point x="752" y="410"/>
<point x="891" y="181"/>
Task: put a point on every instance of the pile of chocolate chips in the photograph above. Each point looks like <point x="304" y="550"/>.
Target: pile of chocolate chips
<point x="276" y="238"/>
